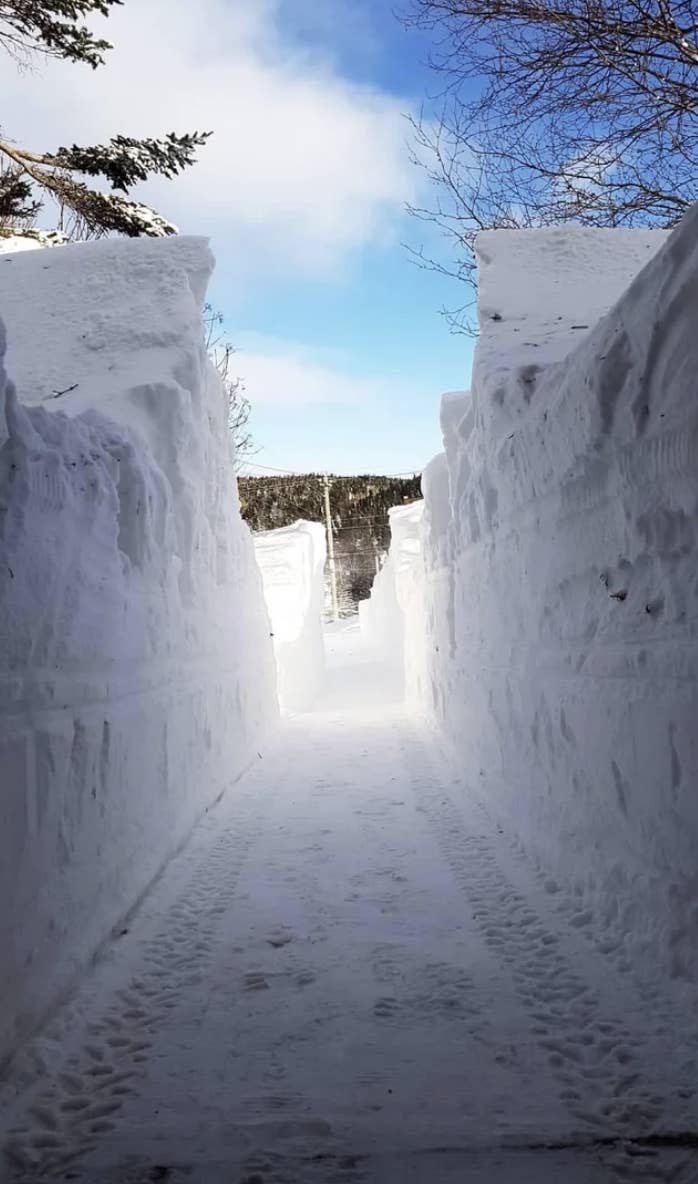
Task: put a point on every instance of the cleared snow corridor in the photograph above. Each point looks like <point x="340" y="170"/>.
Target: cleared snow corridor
<point x="351" y="974"/>
<point x="438" y="922"/>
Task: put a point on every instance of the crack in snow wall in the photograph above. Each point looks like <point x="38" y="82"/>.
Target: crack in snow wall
<point x="555" y="633"/>
<point x="292" y="563"/>
<point x="137" y="674"/>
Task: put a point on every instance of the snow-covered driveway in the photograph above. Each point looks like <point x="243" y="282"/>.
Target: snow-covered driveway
<point x="350" y="974"/>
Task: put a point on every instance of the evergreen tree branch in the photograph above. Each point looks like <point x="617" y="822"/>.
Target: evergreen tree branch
<point x="125" y="161"/>
<point x="53" y="27"/>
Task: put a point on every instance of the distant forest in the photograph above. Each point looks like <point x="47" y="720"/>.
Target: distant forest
<point x="359" y="507"/>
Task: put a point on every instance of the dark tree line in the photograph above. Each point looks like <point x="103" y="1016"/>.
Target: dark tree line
<point x="359" y="507"/>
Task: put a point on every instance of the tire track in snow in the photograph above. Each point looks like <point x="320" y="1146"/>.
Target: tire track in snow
<point x="58" y="1120"/>
<point x="594" y="1056"/>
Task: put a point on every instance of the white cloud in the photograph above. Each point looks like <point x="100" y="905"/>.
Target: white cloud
<point x="289" y="374"/>
<point x="304" y="166"/>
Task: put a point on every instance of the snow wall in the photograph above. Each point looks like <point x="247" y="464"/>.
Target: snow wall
<point x="292" y="563"/>
<point x="137" y="676"/>
<point x="559" y="575"/>
<point x="387" y="617"/>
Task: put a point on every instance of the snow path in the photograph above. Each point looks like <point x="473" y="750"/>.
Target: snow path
<point x="349" y="974"/>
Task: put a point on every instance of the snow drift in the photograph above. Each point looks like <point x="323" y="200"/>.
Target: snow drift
<point x="137" y="673"/>
<point x="559" y="575"/>
<point x="292" y="563"/>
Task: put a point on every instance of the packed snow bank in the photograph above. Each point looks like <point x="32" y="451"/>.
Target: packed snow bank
<point x="391" y="618"/>
<point x="381" y="616"/>
<point x="292" y="563"/>
<point x="137" y="673"/>
<point x="560" y="578"/>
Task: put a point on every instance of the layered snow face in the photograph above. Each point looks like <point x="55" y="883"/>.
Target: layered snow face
<point x="137" y="673"/>
<point x="292" y="563"/>
<point x="560" y="578"/>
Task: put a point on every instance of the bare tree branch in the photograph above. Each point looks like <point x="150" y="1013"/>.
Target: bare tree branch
<point x="239" y="407"/>
<point x="558" y="110"/>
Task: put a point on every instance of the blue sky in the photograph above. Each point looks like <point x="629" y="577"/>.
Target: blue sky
<point x="302" y="191"/>
<point x="379" y="313"/>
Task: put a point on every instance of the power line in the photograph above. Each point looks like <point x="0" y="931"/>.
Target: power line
<point x="358" y="518"/>
<point x="336" y="477"/>
<point x="361" y="526"/>
<point x="270" y="469"/>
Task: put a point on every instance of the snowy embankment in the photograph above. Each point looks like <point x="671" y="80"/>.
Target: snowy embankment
<point x="559" y="577"/>
<point x="137" y="674"/>
<point x="292" y="563"/>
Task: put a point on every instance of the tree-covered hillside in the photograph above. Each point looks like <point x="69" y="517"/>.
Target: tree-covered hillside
<point x="359" y="508"/>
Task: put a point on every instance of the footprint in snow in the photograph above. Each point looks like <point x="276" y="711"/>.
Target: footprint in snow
<point x="279" y="938"/>
<point x="255" y="982"/>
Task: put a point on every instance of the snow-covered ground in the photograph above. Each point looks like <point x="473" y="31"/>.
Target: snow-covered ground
<point x="351" y="975"/>
<point x="292" y="563"/>
<point x="559" y="589"/>
<point x="136" y="676"/>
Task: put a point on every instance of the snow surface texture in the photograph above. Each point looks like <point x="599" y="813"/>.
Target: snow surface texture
<point x="559" y="576"/>
<point x="137" y="671"/>
<point x="349" y="975"/>
<point x="292" y="563"/>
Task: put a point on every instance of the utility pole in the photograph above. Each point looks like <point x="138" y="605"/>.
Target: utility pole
<point x="330" y="549"/>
